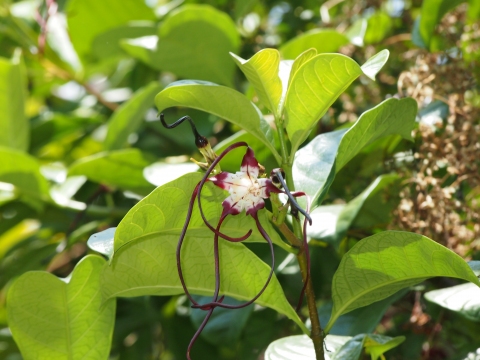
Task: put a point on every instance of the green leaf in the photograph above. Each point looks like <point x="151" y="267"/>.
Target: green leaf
<point x="14" y="126"/>
<point x="299" y="61"/>
<point x="23" y="171"/>
<point x="107" y="44"/>
<point x="374" y="344"/>
<point x="331" y="222"/>
<point x="102" y="242"/>
<point x="324" y="41"/>
<point x="160" y="173"/>
<point x="224" y="326"/>
<point x="375" y="63"/>
<point x="463" y="299"/>
<point x="147" y="266"/>
<point x="54" y="319"/>
<point x="119" y="168"/>
<point x="194" y="42"/>
<point x="300" y="347"/>
<point x="382" y="264"/>
<point x="379" y="26"/>
<point x="316" y="164"/>
<point x="221" y="101"/>
<point x="431" y="14"/>
<point x="313" y="89"/>
<point x="356" y="32"/>
<point x="261" y="71"/>
<point x="128" y="118"/>
<point x="88" y="19"/>
<point x="164" y="211"/>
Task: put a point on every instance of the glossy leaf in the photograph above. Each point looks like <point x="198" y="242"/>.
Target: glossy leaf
<point x="194" y="42"/>
<point x="375" y="63"/>
<point x="84" y="25"/>
<point x="221" y="101"/>
<point x="119" y="168"/>
<point x="55" y="319"/>
<point x="374" y="344"/>
<point x="382" y="264"/>
<point x="102" y="242"/>
<point x="313" y="89"/>
<point x="164" y="211"/>
<point x="261" y="71"/>
<point x="299" y="61"/>
<point x="14" y="125"/>
<point x="463" y="299"/>
<point x="300" y="347"/>
<point x="324" y="41"/>
<point x="317" y="163"/>
<point x="128" y="118"/>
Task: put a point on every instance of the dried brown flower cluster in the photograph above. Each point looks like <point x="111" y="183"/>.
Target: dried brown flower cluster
<point x="441" y="198"/>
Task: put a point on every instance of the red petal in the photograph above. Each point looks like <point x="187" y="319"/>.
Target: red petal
<point x="250" y="164"/>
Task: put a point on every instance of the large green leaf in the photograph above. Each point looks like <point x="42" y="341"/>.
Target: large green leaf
<point x="119" y="168"/>
<point x="300" y="347"/>
<point x="147" y="266"/>
<point x="164" y="212"/>
<point x="261" y="71"/>
<point x="128" y="118"/>
<point x="23" y="171"/>
<point x="324" y="41"/>
<point x="374" y="344"/>
<point x="55" y="319"/>
<point x="382" y="264"/>
<point x="194" y="42"/>
<point x="431" y="14"/>
<point x="313" y="89"/>
<point x="14" y="127"/>
<point x="88" y="19"/>
<point x="463" y="299"/>
<point x="221" y="101"/>
<point x="316" y="164"/>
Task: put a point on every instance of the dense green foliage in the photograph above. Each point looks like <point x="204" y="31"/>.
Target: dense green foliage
<point x="338" y="96"/>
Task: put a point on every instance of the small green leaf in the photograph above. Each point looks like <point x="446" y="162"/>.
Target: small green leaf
<point x="374" y="344"/>
<point x="375" y="63"/>
<point x="54" y="319"/>
<point x="84" y="25"/>
<point x="128" y="118"/>
<point x="324" y="41"/>
<point x="102" y="242"/>
<point x="313" y="89"/>
<point x="463" y="299"/>
<point x="316" y="164"/>
<point x="356" y="32"/>
<point x="219" y="100"/>
<point x="382" y="264"/>
<point x="300" y="347"/>
<point x="119" y="168"/>
<point x="261" y="71"/>
<point x="14" y="126"/>
<point x="379" y="26"/>
<point x="194" y="42"/>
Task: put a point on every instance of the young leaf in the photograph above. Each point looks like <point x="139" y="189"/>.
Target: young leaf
<point x="374" y="344"/>
<point x="299" y="61"/>
<point x="375" y="63"/>
<point x="120" y="168"/>
<point x="382" y="264"/>
<point x="102" y="242"/>
<point x="54" y="319"/>
<point x="128" y="118"/>
<point x="147" y="266"/>
<point x="261" y="71"/>
<point x="221" y="101"/>
<point x="300" y="347"/>
<point x="324" y="41"/>
<point x="194" y="42"/>
<point x="14" y="126"/>
<point x="316" y="164"/>
<point x="313" y="89"/>
<point x="463" y="299"/>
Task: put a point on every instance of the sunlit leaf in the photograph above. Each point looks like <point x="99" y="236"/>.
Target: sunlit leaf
<point x="128" y="118"/>
<point x="382" y="264"/>
<point x="374" y="344"/>
<point x="219" y="100"/>
<point x="375" y="63"/>
<point x="324" y="41"/>
<point x="102" y="242"/>
<point x="14" y="126"/>
<point x="55" y="319"/>
<point x="356" y="32"/>
<point x="261" y="71"/>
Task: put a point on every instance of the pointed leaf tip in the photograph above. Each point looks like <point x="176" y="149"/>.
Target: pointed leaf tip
<point x="375" y="63"/>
